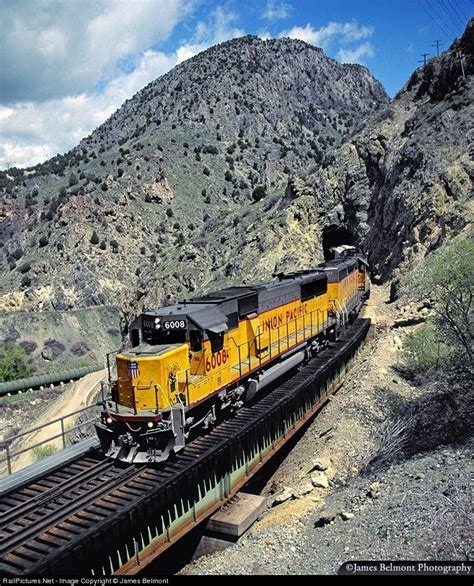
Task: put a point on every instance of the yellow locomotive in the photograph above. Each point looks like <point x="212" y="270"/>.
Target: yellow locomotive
<point x="193" y="362"/>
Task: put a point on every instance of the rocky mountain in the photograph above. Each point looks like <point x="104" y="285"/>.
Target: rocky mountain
<point x="181" y="188"/>
<point x="251" y="158"/>
<point x="404" y="183"/>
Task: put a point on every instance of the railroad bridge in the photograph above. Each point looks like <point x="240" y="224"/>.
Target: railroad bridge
<point x="95" y="517"/>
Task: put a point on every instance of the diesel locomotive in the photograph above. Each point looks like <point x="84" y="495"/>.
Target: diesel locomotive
<point x="190" y="364"/>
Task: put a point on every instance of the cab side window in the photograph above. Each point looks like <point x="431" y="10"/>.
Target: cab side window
<point x="135" y="338"/>
<point x="195" y="338"/>
<point x="217" y="341"/>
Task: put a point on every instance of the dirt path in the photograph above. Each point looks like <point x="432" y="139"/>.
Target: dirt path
<point x="81" y="394"/>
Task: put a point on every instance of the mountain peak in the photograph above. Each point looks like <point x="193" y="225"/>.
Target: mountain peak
<point x="153" y="195"/>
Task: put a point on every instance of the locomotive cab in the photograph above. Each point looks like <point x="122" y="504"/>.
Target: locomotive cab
<point x="146" y="418"/>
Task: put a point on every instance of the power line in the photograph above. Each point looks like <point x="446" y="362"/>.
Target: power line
<point x="444" y="30"/>
<point x="450" y="12"/>
<point x="437" y="44"/>
<point x="441" y="18"/>
<point x="424" y="55"/>
<point x="463" y="16"/>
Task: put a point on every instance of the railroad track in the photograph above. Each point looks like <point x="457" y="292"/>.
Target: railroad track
<point x="65" y="522"/>
<point x="30" y="511"/>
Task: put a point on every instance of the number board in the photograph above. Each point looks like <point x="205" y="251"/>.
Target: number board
<point x="148" y="324"/>
<point x="174" y="324"/>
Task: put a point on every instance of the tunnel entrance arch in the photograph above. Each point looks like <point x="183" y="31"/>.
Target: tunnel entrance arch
<point x="334" y="235"/>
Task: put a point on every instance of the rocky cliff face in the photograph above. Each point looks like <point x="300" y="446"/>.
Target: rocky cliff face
<point x="402" y="184"/>
<point x="180" y="188"/>
<point x="251" y="158"/>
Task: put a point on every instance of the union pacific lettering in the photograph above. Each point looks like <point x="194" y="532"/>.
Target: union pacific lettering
<point x="283" y="317"/>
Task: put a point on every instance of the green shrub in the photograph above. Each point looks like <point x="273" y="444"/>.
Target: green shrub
<point x="43" y="241"/>
<point x="259" y="193"/>
<point x="25" y="281"/>
<point x="41" y="452"/>
<point x="94" y="238"/>
<point x="13" y="362"/>
<point x="17" y="254"/>
<point x="425" y="349"/>
<point x="24" y="268"/>
<point x="169" y="213"/>
<point x="446" y="278"/>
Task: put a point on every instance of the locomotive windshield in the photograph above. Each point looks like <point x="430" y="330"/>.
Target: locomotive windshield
<point x="169" y="337"/>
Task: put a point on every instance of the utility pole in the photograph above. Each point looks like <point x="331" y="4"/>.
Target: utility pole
<point x="437" y="44"/>
<point x="461" y="59"/>
<point x="424" y="55"/>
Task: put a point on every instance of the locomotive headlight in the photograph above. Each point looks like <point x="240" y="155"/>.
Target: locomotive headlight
<point x="157" y="323"/>
<point x="150" y="424"/>
<point x="109" y="420"/>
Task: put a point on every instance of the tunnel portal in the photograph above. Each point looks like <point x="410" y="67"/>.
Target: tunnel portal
<point x="335" y="236"/>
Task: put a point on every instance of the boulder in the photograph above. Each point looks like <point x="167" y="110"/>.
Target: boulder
<point x="285" y="495"/>
<point x="319" y="480"/>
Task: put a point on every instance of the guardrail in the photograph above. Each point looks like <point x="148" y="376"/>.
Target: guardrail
<point x="10" y="453"/>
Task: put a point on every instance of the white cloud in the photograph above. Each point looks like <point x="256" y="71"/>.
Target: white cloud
<point x="343" y="32"/>
<point x="220" y="27"/>
<point x="276" y="10"/>
<point x="34" y="131"/>
<point x="357" y="54"/>
<point x="54" y="48"/>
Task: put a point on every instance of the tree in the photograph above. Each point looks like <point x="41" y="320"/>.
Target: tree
<point x="94" y="238"/>
<point x="25" y="281"/>
<point x="13" y="362"/>
<point x="72" y="180"/>
<point x="446" y="278"/>
<point x="259" y="193"/>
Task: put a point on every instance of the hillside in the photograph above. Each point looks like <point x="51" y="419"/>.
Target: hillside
<point x="402" y="185"/>
<point x="168" y="195"/>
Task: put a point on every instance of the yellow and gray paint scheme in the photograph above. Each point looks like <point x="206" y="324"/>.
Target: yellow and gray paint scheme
<point x="198" y="360"/>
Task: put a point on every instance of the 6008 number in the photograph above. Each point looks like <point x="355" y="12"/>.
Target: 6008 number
<point x="179" y="324"/>
<point x="217" y="359"/>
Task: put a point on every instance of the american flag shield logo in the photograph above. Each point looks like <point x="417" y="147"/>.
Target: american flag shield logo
<point x="133" y="371"/>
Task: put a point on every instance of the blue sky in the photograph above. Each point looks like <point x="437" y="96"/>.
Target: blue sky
<point x="66" y="65"/>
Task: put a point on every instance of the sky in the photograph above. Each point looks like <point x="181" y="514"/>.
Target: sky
<point x="67" y="65"/>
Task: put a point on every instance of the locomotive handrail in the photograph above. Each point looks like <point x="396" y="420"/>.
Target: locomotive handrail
<point x="238" y="349"/>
